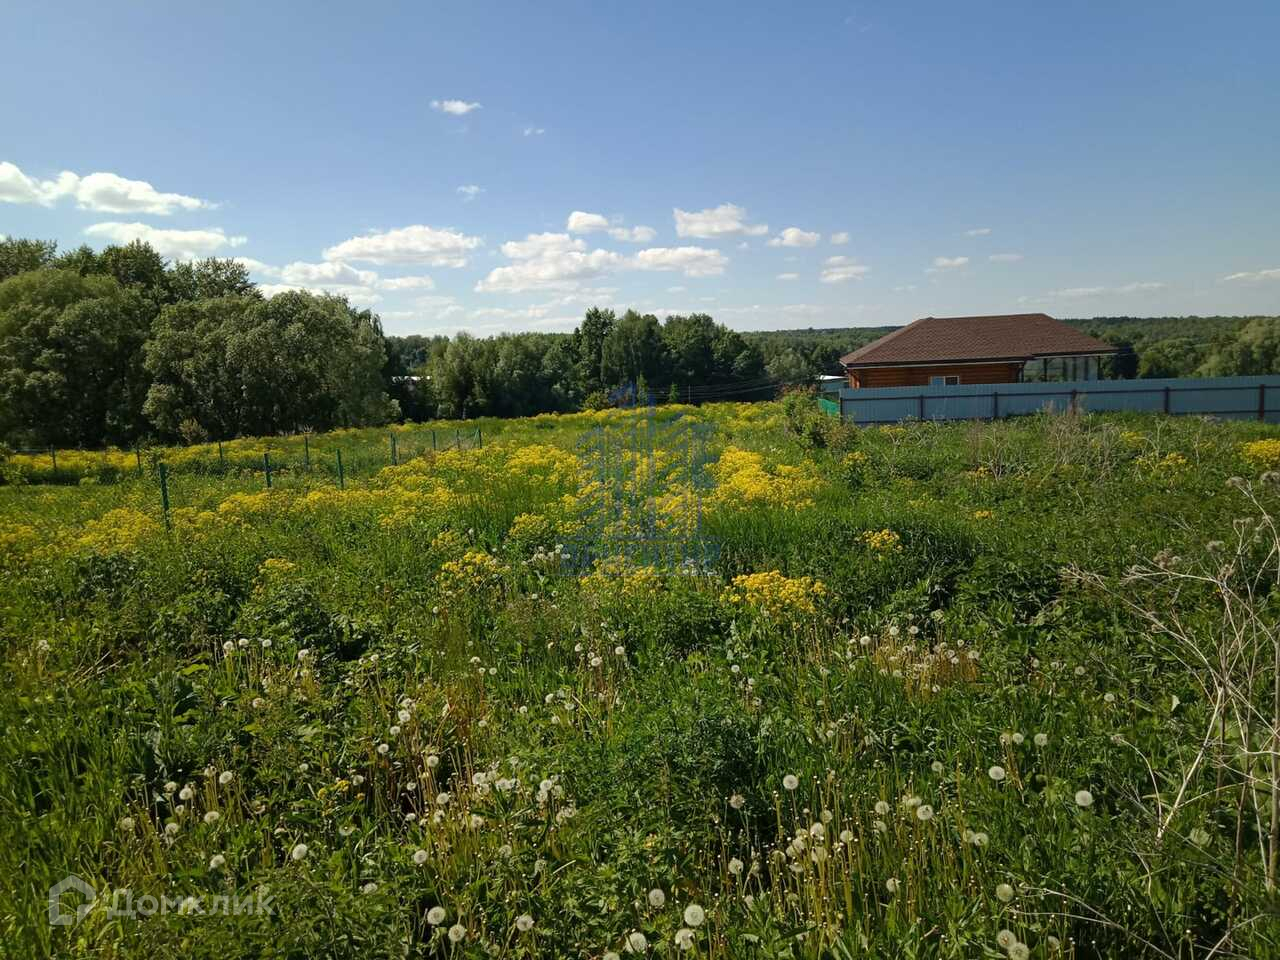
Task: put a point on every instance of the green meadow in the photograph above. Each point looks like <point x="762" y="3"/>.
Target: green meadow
<point x="966" y="690"/>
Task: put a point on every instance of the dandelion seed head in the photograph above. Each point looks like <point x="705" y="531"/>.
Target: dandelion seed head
<point x="299" y="851"/>
<point x="1084" y="798"/>
<point x="694" y="915"/>
<point x="1004" y="892"/>
<point x="436" y="916"/>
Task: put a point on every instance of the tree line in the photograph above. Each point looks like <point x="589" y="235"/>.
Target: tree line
<point x="118" y="346"/>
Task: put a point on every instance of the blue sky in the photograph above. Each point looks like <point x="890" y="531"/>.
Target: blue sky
<point x="775" y="165"/>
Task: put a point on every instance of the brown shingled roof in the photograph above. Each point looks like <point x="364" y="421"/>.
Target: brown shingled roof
<point x="1014" y="336"/>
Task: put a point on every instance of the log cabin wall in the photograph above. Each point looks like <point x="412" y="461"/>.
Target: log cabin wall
<point x="919" y="376"/>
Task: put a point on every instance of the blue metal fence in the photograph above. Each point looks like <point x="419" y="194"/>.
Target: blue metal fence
<point x="1237" y="398"/>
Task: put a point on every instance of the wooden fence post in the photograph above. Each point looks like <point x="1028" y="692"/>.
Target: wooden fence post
<point x="995" y="404"/>
<point x="53" y="455"/>
<point x="266" y="467"/>
<point x="341" y="480"/>
<point x="1262" y="401"/>
<point x="306" y="453"/>
<point x="137" y="452"/>
<point x="222" y="460"/>
<point x="164" y="492"/>
<point x="394" y="457"/>
<point x="1166" y="398"/>
<point x="920" y="406"/>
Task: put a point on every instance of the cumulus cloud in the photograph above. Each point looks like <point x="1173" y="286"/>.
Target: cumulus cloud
<point x="547" y="261"/>
<point x="1250" y="276"/>
<point x="360" y="296"/>
<point x="557" y="261"/>
<point x="178" y="244"/>
<point x="795" y="237"/>
<point x="100" y="192"/>
<point x="417" y="244"/>
<point x="788" y="276"/>
<point x="407" y="283"/>
<point x="839" y="239"/>
<point x="692" y="261"/>
<point x="470" y="191"/>
<point x="333" y="272"/>
<point x="456" y="108"/>
<point x="722" y="221"/>
<point x="533" y="131"/>
<point x="978" y="232"/>
<point x="949" y="263"/>
<point x="1005" y="257"/>
<point x="840" y="269"/>
<point x="582" y="222"/>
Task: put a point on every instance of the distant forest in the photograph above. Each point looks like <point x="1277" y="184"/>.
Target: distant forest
<point x="119" y="346"/>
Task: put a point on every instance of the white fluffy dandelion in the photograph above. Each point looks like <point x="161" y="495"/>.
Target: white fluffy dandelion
<point x="924" y="812"/>
<point x="457" y="933"/>
<point x="419" y="857"/>
<point x="996" y="773"/>
<point x="299" y="852"/>
<point x="694" y="915"/>
<point x="225" y="777"/>
<point x="790" y="781"/>
<point x="657" y="898"/>
<point x="436" y="916"/>
<point x="217" y="862"/>
<point x="524" y="923"/>
<point x="684" y="938"/>
<point x="1004" y="892"/>
<point x="1006" y="939"/>
<point x="637" y="942"/>
<point x="1084" y="798"/>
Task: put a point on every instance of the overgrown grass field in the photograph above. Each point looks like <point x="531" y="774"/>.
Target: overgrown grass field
<point x="958" y="690"/>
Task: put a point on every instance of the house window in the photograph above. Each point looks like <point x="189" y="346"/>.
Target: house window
<point x="944" y="381"/>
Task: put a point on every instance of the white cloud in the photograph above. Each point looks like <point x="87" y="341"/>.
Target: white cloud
<point x="456" y="108"/>
<point x="534" y="131"/>
<point x="675" y="289"/>
<point x="547" y="261"/>
<point x="178" y="244"/>
<point x="360" y="296"/>
<point x="788" y="276"/>
<point x="978" y="232"/>
<point x="1005" y="257"/>
<point x="329" y="273"/>
<point x="839" y="239"/>
<point x="693" y="261"/>
<point x="724" y="220"/>
<point x="1253" y="275"/>
<point x="840" y="269"/>
<point x="470" y="191"/>
<point x="795" y="237"/>
<point x="407" y="283"/>
<point x="633" y="235"/>
<point x="580" y="222"/>
<point x="1073" y="293"/>
<point x="904" y="288"/>
<point x="414" y="244"/>
<point x="949" y="263"/>
<point x="257" y="266"/>
<point x="101" y="192"/>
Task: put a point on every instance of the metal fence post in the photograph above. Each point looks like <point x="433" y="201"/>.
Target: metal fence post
<point x="1166" y="398"/>
<point x="433" y="441"/>
<point x="341" y="481"/>
<point x="266" y="467"/>
<point x="164" y="492"/>
<point x="1262" y="401"/>
<point x="995" y="404"/>
<point x="920" y="406"/>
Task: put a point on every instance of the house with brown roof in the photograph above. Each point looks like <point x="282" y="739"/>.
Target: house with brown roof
<point x="1011" y="348"/>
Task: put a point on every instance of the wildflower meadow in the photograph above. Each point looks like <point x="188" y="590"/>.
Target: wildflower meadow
<point x="756" y="684"/>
